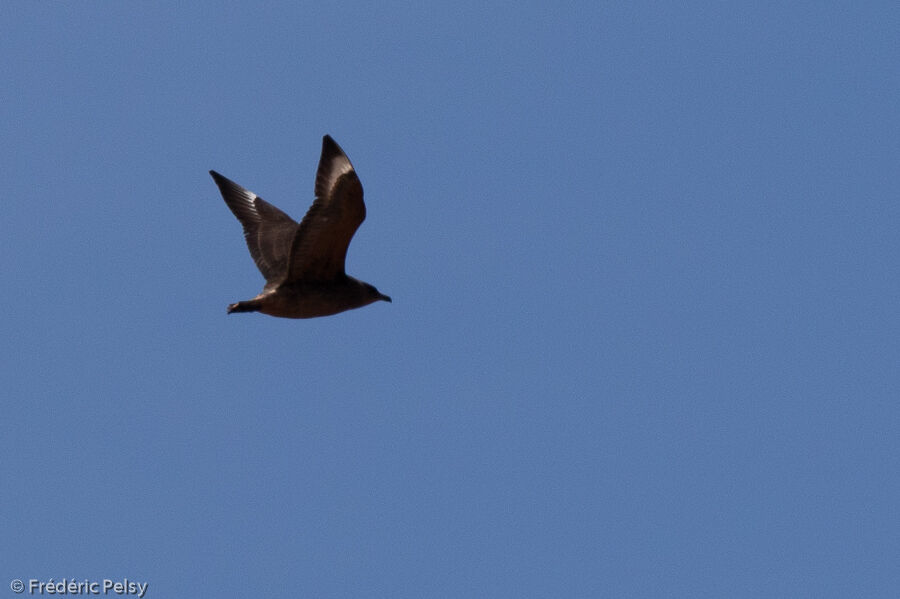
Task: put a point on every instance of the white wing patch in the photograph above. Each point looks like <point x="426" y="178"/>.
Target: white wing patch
<point x="250" y="199"/>
<point x="340" y="166"/>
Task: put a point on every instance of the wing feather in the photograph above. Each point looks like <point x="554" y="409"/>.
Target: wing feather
<point x="269" y="232"/>
<point x="320" y="243"/>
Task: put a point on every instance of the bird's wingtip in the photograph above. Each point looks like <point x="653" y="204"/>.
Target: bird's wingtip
<point x="330" y="147"/>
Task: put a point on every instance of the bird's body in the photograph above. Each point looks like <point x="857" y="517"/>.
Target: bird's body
<point x="310" y="299"/>
<point x="304" y="263"/>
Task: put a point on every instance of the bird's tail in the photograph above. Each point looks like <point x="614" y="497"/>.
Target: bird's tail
<point x="247" y="306"/>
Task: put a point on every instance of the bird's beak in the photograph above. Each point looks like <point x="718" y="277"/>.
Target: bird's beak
<point x="386" y="298"/>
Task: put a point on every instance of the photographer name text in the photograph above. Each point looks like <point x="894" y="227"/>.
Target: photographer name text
<point x="70" y="586"/>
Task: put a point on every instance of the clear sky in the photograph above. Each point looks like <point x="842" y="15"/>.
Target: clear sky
<point x="644" y="264"/>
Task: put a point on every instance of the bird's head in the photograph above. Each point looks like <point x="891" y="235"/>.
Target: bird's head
<point x="374" y="295"/>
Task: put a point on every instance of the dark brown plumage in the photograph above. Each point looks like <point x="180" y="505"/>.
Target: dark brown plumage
<point x="304" y="263"/>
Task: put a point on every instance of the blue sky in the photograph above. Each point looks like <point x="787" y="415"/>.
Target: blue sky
<point x="644" y="336"/>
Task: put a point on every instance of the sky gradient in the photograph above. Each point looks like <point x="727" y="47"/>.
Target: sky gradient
<point x="644" y="332"/>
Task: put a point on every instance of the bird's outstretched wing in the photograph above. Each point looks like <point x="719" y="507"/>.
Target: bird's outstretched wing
<point x="269" y="231"/>
<point x="320" y="243"/>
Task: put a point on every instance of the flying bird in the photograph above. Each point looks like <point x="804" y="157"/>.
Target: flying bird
<point x="304" y="263"/>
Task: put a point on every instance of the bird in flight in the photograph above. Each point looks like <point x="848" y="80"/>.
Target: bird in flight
<point x="304" y="263"/>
